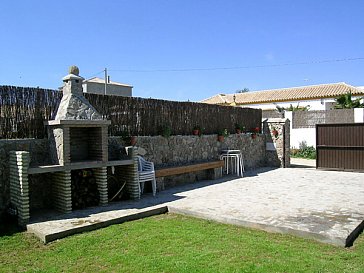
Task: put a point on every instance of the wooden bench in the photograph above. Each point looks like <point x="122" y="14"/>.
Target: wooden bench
<point x="168" y="171"/>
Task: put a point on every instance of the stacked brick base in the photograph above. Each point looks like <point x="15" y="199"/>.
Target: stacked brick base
<point x="130" y="173"/>
<point x="61" y="185"/>
<point x="19" y="184"/>
<point x="62" y="199"/>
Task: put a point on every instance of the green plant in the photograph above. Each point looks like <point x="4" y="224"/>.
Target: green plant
<point x="125" y="136"/>
<point x="166" y="131"/>
<point x="197" y="130"/>
<point x="223" y="132"/>
<point x="304" y="151"/>
<point x="293" y="108"/>
<point x="239" y="127"/>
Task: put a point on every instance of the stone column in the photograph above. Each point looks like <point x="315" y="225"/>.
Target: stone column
<point x="277" y="132"/>
<point x="19" y="184"/>
<point x="59" y="143"/>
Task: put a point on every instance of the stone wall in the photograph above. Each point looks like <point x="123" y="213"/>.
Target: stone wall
<point x="175" y="150"/>
<point x="179" y="150"/>
<point x="39" y="155"/>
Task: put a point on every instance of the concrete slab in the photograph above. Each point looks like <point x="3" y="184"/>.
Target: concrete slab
<point x="48" y="229"/>
<point x="324" y="205"/>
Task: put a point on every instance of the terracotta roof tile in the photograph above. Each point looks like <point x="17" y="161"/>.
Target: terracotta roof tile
<point x="309" y="92"/>
<point x="217" y="99"/>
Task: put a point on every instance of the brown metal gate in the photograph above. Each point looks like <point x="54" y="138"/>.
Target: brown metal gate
<point x="340" y="146"/>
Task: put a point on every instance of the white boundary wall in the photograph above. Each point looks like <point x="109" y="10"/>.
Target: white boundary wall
<point x="309" y="134"/>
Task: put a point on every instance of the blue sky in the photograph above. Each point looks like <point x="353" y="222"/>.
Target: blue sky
<point x="40" y="39"/>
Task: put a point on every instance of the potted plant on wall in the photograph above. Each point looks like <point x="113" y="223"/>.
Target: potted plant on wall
<point x="221" y="134"/>
<point x="255" y="131"/>
<point x="166" y="131"/>
<point x="196" y="131"/>
<point x="128" y="139"/>
<point x="133" y="140"/>
<point x="239" y="128"/>
<point x="275" y="132"/>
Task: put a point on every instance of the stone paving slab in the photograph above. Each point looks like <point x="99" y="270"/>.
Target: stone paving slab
<point x="303" y="163"/>
<point x="324" y="205"/>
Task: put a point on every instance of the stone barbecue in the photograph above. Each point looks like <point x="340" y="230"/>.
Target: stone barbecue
<point x="78" y="133"/>
<point x="78" y="141"/>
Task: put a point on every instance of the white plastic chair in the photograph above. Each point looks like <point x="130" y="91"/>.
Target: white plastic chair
<point x="146" y="173"/>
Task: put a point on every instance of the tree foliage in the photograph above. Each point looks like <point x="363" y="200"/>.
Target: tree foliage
<point x="293" y="108"/>
<point x="346" y="102"/>
<point x="244" y="90"/>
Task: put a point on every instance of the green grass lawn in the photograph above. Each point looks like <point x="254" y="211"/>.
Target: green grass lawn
<point x="174" y="243"/>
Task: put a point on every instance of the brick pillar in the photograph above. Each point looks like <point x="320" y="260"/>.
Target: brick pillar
<point x="66" y="146"/>
<point x="101" y="180"/>
<point x="62" y="198"/>
<point x="19" y="185"/>
<point x="104" y="143"/>
<point x="130" y="173"/>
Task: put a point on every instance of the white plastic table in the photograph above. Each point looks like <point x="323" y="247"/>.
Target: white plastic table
<point x="237" y="161"/>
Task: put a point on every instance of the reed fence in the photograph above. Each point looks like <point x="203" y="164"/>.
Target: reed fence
<point x="23" y="111"/>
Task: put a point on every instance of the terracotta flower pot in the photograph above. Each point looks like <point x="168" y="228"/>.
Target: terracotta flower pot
<point x="196" y="132"/>
<point x="133" y="140"/>
<point x="220" y="138"/>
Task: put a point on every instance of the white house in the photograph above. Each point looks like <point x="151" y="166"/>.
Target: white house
<point x="97" y="86"/>
<point x="316" y="97"/>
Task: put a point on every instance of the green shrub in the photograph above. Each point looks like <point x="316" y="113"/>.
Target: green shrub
<point x="304" y="151"/>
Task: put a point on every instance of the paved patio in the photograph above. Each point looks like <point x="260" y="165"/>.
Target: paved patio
<point x="324" y="205"/>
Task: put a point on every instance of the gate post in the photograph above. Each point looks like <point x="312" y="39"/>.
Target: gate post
<point x="277" y="135"/>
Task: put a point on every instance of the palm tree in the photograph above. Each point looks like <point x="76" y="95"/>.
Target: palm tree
<point x="346" y="102"/>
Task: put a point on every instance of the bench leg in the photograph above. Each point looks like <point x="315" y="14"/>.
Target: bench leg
<point x="154" y="186"/>
<point x="214" y="173"/>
